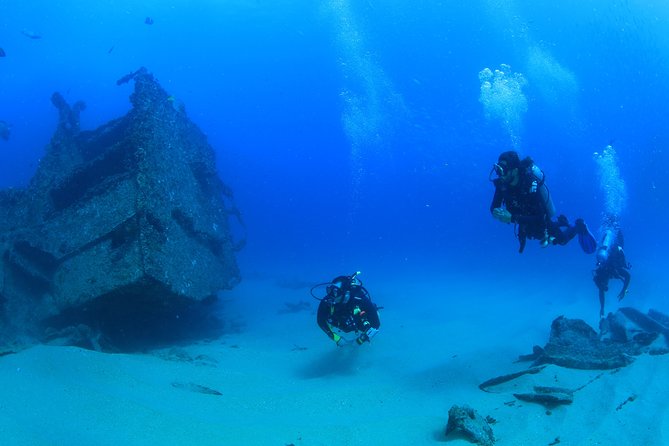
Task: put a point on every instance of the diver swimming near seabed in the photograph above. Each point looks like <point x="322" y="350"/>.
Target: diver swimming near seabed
<point x="521" y="197"/>
<point x="611" y="261"/>
<point x="611" y="264"/>
<point x="347" y="308"/>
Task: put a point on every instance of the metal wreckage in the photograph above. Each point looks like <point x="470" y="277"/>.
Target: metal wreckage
<point x="122" y="238"/>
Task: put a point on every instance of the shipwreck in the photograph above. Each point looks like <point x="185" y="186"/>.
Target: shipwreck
<point x="123" y="236"/>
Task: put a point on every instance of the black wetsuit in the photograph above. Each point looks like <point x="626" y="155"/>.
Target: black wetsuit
<point x="357" y="314"/>
<point x="614" y="267"/>
<point x="531" y="207"/>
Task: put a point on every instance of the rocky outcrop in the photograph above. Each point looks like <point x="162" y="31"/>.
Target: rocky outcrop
<point x="123" y="229"/>
<point x="623" y="335"/>
<point x="574" y="344"/>
<point x="465" y="422"/>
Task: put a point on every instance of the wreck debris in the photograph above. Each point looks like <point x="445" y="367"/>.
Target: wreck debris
<point x="123" y="229"/>
<point x="506" y="378"/>
<point x="628" y="400"/>
<point x="574" y="344"/>
<point x="623" y="335"/>
<point x="548" y="397"/>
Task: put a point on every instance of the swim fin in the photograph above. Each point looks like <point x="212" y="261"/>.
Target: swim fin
<point x="585" y="238"/>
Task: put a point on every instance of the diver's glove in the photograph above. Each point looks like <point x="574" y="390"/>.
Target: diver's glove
<point x="622" y="295"/>
<point x="502" y="215"/>
<point x="340" y="341"/>
<point x="367" y="336"/>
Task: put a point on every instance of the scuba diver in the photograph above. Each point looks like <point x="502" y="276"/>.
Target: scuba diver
<point x="611" y="264"/>
<point x="522" y="197"/>
<point x="347" y="308"/>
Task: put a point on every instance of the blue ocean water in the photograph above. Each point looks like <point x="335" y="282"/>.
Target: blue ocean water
<point x="355" y="134"/>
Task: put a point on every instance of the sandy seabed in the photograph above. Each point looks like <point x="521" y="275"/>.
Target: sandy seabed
<point x="280" y="381"/>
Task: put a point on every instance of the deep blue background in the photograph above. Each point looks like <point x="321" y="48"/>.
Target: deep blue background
<point x="408" y="191"/>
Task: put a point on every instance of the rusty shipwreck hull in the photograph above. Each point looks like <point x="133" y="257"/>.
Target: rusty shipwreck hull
<point x="120" y="227"/>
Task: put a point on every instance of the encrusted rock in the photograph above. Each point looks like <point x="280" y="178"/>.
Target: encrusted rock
<point x="574" y="344"/>
<point x="465" y="422"/>
<point x="623" y="335"/>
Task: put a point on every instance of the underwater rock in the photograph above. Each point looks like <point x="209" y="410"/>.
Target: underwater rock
<point x="536" y="353"/>
<point x="123" y="229"/>
<point x="623" y="335"/>
<point x="574" y="344"/>
<point x="465" y="422"/>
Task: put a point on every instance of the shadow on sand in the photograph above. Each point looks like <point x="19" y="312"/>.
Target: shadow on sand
<point x="342" y="361"/>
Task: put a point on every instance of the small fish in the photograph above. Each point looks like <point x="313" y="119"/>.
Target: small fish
<point x="31" y="34"/>
<point x="4" y="130"/>
<point x="2" y="53"/>
<point x="110" y="50"/>
<point x="148" y="21"/>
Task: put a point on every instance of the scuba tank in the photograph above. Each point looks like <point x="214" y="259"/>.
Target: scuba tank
<point x="608" y="240"/>
<point x="539" y="185"/>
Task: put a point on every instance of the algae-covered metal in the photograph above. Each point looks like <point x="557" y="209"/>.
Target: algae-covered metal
<point x="128" y="221"/>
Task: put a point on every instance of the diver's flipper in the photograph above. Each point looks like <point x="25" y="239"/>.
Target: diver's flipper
<point x="585" y="238"/>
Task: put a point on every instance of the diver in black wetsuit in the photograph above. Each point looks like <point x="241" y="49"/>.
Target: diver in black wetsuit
<point x="611" y="264"/>
<point x="521" y="197"/>
<point x="348" y="308"/>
